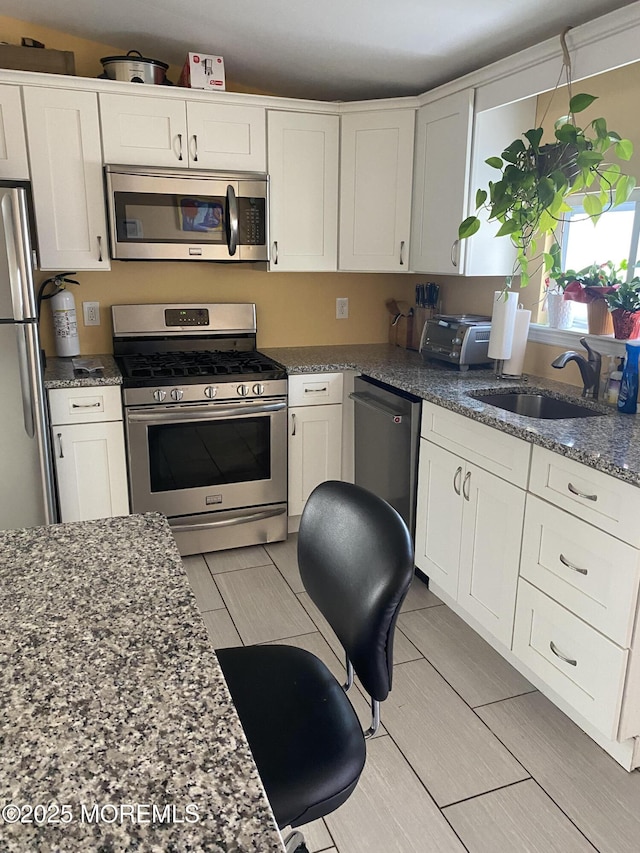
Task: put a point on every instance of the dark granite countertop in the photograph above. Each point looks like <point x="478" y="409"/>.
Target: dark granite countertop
<point x="610" y="443"/>
<point x="59" y="373"/>
<point x="111" y="696"/>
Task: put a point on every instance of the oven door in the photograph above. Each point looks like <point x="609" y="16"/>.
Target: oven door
<point x="192" y="459"/>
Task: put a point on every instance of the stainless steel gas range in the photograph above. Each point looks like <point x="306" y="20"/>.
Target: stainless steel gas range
<point x="206" y="423"/>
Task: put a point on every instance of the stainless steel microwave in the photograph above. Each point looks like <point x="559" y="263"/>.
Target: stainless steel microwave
<point x="180" y="215"/>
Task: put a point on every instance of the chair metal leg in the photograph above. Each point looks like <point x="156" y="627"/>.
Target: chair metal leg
<point x="349" y="682"/>
<point x="294" y="843"/>
<point x="375" y="719"/>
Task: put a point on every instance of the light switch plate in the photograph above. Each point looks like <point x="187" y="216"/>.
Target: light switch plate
<point x="91" y="313"/>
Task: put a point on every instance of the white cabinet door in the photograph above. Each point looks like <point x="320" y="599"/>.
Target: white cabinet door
<point x="90" y="470"/>
<point x="315" y="450"/>
<point x="63" y="135"/>
<point x="225" y="136"/>
<point x="441" y="176"/>
<point x="303" y="168"/>
<point x="13" y="145"/>
<point x="493" y="131"/>
<point x="493" y="519"/>
<point x="143" y="131"/>
<point x="439" y="515"/>
<point x="375" y="190"/>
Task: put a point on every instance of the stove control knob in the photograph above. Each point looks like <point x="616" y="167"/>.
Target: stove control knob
<point x="243" y="390"/>
<point x="210" y="391"/>
<point x="159" y="395"/>
<point x="177" y="394"/>
<point x="258" y="389"/>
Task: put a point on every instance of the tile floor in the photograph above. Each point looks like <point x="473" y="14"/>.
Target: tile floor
<point x="470" y="756"/>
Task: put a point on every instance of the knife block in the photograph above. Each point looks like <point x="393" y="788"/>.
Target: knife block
<point x="408" y="330"/>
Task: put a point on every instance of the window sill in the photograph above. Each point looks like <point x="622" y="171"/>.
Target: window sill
<point x="604" y="344"/>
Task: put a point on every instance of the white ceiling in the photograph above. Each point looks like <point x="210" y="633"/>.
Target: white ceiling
<point x="326" y="49"/>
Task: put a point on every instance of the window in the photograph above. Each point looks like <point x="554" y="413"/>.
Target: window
<point x="614" y="238"/>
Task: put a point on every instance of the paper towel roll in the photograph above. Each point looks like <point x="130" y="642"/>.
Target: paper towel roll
<point x="513" y="366"/>
<point x="505" y="305"/>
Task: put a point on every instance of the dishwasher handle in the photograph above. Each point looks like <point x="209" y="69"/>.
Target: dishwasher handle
<point x="376" y="406"/>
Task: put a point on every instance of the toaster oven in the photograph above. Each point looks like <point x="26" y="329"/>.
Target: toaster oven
<point x="460" y="339"/>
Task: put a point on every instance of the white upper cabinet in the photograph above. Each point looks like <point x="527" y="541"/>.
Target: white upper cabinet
<point x="63" y="135"/>
<point x="441" y="177"/>
<point x="375" y="190"/>
<point x="225" y="136"/>
<point x="139" y="131"/>
<point x="156" y="131"/>
<point x="493" y="131"/>
<point x="303" y="168"/>
<point x="13" y="145"/>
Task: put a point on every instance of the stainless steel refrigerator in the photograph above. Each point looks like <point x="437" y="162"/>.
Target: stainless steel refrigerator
<point x="26" y="481"/>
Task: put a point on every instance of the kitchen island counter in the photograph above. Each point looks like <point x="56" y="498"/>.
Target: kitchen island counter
<point x="610" y="443"/>
<point x="113" y="701"/>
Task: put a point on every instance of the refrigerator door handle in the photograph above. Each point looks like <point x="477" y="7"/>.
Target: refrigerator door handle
<point x="15" y="225"/>
<point x="28" y="403"/>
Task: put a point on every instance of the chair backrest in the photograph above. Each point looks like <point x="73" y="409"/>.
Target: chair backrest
<point x="356" y="562"/>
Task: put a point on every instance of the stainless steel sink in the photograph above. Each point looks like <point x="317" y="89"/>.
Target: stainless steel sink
<point x="536" y="405"/>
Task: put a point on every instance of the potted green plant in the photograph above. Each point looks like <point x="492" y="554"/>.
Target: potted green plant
<point x="591" y="286"/>
<point x="529" y="198"/>
<point x="624" y="305"/>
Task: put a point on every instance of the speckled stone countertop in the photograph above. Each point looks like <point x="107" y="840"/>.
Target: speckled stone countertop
<point x="59" y="373"/>
<point x="610" y="443"/>
<point x="111" y="696"/>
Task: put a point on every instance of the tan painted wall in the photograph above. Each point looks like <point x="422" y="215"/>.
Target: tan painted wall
<point x="292" y="309"/>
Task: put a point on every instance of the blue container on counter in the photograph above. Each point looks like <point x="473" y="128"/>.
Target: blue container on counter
<point x="628" y="396"/>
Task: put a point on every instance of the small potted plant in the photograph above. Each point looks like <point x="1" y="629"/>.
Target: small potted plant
<point x="529" y="198"/>
<point x="559" y="310"/>
<point x="624" y="305"/>
<point x="591" y="286"/>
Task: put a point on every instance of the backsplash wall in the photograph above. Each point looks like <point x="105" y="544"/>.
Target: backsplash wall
<point x="293" y="309"/>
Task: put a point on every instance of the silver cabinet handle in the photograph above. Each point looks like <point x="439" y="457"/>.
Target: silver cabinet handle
<point x="465" y="485"/>
<point x="274" y="253"/>
<point x="99" y="249"/>
<point x="456" y="480"/>
<point x="180" y="148"/>
<point x="85" y="405"/>
<point x="195" y="148"/>
<point x="61" y="454"/>
<point x="570" y="661"/>
<point x="454" y="253"/>
<point x="315" y="390"/>
<point x="575" y="491"/>
<point x="571" y="566"/>
<point x="401" y="253"/>
<point x="293" y="424"/>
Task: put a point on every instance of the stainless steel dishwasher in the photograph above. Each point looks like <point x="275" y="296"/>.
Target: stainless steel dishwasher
<point x="386" y="437"/>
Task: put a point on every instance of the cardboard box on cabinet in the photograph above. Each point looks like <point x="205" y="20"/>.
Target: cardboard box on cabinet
<point x="203" y="71"/>
<point x="41" y="59"/>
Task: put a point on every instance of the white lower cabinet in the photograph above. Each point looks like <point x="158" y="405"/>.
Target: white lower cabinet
<point x="315" y="435"/>
<point x="88" y="452"/>
<point x="576" y="661"/>
<point x="468" y="533"/>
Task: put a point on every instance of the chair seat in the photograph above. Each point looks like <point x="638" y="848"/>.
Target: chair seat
<point x="304" y="734"/>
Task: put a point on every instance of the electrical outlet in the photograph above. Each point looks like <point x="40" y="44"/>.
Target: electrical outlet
<point x="91" y="313"/>
<point x="342" y="308"/>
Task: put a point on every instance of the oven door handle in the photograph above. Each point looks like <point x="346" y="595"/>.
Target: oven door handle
<point x="240" y="517"/>
<point x="170" y="414"/>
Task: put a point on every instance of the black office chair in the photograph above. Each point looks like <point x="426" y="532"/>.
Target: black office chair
<point x="356" y="562"/>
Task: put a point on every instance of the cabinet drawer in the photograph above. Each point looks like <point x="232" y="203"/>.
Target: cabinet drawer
<point x="595" y="497"/>
<point x="588" y="571"/>
<point x="573" y="659"/>
<point x="495" y="451"/>
<point x="315" y="389"/>
<point x="83" y="405"/>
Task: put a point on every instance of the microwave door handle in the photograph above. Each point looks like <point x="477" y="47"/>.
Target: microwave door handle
<point x="232" y="219"/>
